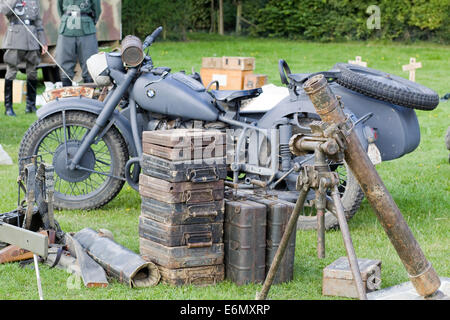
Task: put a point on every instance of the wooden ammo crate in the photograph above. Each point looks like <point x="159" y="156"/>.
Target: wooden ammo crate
<point x="181" y="213"/>
<point x="253" y="81"/>
<point x="212" y="62"/>
<point x="19" y="90"/>
<point x="238" y="63"/>
<point x="182" y="256"/>
<point x="190" y="235"/>
<point x="184" y="144"/>
<point x="338" y="278"/>
<point x="179" y="138"/>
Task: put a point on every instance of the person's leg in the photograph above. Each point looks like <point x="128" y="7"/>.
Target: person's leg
<point x="11" y="59"/>
<point x="32" y="59"/>
<point x="87" y="46"/>
<point x="66" y="56"/>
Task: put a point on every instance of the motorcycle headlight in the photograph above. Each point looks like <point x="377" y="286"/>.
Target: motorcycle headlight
<point x="132" y="51"/>
<point x="97" y="66"/>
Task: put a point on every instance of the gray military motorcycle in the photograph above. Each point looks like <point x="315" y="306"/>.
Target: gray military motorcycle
<point x="95" y="146"/>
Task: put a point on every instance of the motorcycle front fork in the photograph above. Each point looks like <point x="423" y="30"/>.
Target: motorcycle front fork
<point x="111" y="102"/>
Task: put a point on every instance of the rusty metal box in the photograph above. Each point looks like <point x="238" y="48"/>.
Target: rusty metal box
<point x="338" y="277"/>
<point x="185" y="153"/>
<point x="196" y="171"/>
<point x="181" y="257"/>
<point x="180" y="192"/>
<point x="190" y="235"/>
<point x="182" y="213"/>
<point x="193" y="276"/>
<point x="180" y="138"/>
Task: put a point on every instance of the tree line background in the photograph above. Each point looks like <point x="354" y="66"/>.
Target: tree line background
<point x="319" y="20"/>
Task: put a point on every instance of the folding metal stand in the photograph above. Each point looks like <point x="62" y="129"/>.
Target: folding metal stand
<point x="320" y="178"/>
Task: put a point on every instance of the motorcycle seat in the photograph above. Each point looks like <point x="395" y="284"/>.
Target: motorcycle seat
<point x="231" y="96"/>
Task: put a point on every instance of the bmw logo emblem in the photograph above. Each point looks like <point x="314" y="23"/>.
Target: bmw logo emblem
<point x="151" y="93"/>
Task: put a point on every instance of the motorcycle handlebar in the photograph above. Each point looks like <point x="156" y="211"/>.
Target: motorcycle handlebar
<point x="151" y="38"/>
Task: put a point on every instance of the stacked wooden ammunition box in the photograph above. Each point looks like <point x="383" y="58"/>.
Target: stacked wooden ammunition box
<point x="182" y="212"/>
<point x="232" y="73"/>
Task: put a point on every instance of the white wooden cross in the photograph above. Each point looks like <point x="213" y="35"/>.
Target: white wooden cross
<point x="4" y="157"/>
<point x="358" y="61"/>
<point x="411" y="67"/>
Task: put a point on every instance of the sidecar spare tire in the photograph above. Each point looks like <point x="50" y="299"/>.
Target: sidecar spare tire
<point x="77" y="189"/>
<point x="387" y="87"/>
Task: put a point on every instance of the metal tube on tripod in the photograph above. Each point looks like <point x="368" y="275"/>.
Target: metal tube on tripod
<point x="351" y="255"/>
<point x="422" y="274"/>
<point x="291" y="227"/>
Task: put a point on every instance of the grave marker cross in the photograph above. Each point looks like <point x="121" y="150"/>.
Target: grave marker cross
<point x="411" y="67"/>
<point x="358" y="61"/>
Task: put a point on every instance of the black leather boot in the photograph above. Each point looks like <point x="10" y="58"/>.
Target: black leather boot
<point x="9" y="98"/>
<point x="31" y="96"/>
<point x="66" y="82"/>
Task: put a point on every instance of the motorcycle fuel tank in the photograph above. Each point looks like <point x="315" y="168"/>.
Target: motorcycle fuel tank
<point x="176" y="95"/>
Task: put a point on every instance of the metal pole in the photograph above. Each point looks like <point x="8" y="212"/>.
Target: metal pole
<point x="38" y="277"/>
<point x="320" y="233"/>
<point x="291" y="227"/>
<point x="351" y="255"/>
<point x="422" y="274"/>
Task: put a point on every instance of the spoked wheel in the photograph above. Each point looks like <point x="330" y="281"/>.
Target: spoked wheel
<point x="100" y="176"/>
<point x="351" y="197"/>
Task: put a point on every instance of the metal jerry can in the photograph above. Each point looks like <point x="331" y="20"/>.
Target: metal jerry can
<point x="245" y="241"/>
<point x="278" y="214"/>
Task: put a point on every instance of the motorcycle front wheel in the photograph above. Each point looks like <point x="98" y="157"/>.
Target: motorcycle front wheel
<point x="98" y="180"/>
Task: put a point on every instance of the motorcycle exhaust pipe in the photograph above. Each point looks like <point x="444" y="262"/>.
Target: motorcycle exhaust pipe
<point x="420" y="271"/>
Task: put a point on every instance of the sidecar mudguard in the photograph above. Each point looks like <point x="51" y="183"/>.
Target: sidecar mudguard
<point x="92" y="106"/>
<point x="302" y="104"/>
<point x="397" y="128"/>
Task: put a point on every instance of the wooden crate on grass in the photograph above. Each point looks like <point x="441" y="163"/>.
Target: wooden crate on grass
<point x="212" y="62"/>
<point x="253" y="81"/>
<point x="19" y="91"/>
<point x="230" y="72"/>
<point x="228" y="79"/>
<point x="238" y="63"/>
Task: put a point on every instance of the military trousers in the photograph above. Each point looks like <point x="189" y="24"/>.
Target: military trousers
<point x="14" y="57"/>
<point x="70" y="50"/>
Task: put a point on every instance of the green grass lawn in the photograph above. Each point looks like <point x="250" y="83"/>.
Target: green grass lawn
<point x="419" y="182"/>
